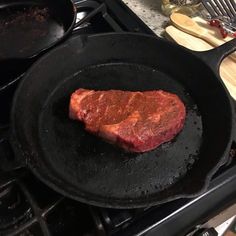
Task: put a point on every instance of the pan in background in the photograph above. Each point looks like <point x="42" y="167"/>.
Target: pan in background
<point x="29" y="27"/>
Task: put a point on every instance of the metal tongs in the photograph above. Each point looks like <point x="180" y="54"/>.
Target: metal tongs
<point x="222" y="15"/>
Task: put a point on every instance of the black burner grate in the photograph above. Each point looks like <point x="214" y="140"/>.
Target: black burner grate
<point x="30" y="208"/>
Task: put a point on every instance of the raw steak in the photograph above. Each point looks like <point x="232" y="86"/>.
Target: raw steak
<point x="135" y="121"/>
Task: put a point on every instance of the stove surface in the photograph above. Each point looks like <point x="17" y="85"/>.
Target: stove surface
<point x="28" y="207"/>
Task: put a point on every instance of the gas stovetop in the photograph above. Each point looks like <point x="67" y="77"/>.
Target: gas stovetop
<point x="28" y="207"/>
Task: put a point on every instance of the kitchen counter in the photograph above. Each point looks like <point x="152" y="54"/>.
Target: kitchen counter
<point x="150" y="13"/>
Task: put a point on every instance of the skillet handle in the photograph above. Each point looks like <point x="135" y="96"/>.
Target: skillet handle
<point x="214" y="56"/>
<point x="213" y="59"/>
<point x="8" y="161"/>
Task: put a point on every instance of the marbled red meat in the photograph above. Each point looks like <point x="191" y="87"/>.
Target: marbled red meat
<point x="135" y="121"/>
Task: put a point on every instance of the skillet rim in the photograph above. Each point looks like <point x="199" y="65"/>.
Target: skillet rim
<point x="118" y="203"/>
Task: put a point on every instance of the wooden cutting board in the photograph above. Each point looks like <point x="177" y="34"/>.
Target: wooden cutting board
<point x="228" y="66"/>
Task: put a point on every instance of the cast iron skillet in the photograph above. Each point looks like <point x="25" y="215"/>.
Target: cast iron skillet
<point x="29" y="27"/>
<point x="83" y="167"/>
